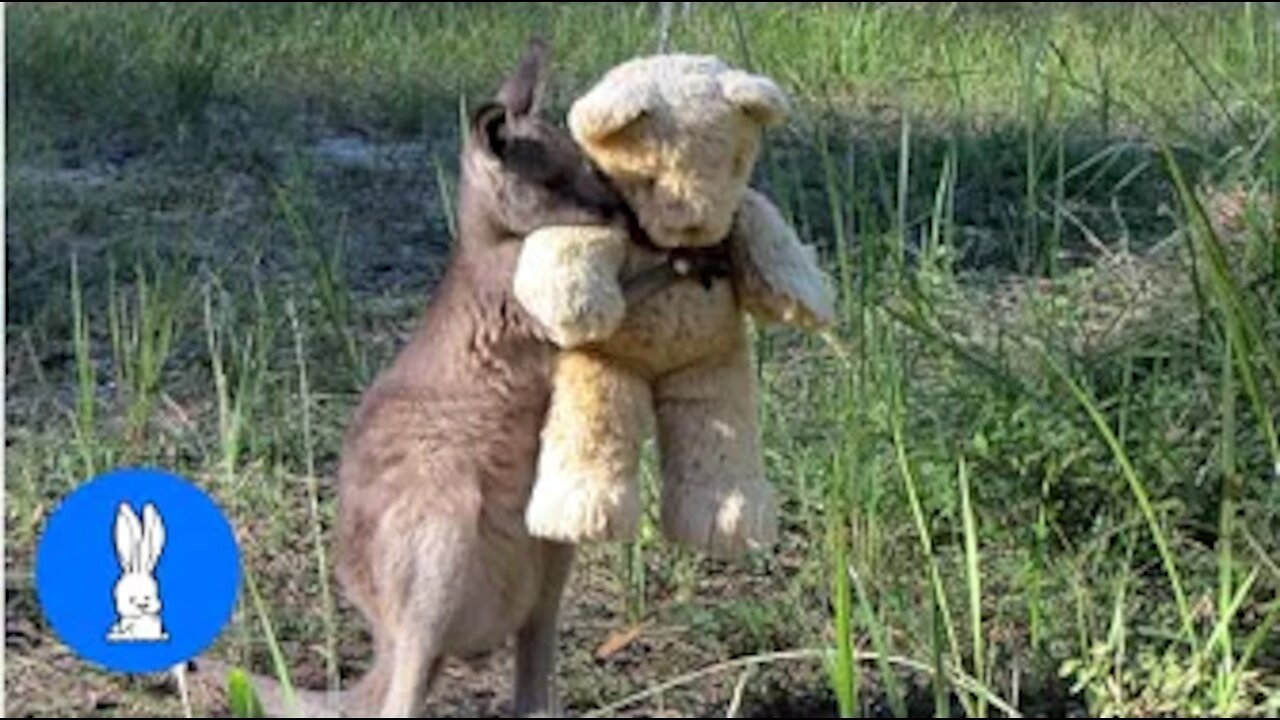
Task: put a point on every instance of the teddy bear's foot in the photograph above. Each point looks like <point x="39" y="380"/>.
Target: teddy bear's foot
<point x="570" y="508"/>
<point x="723" y="523"/>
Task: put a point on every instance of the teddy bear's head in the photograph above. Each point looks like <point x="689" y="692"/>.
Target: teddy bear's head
<point x="679" y="135"/>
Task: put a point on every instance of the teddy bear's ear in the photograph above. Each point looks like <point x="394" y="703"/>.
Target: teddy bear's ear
<point x="758" y="96"/>
<point x="609" y="110"/>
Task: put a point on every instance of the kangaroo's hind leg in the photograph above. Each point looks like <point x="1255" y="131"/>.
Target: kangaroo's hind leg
<point x="536" y="650"/>
<point x="423" y="573"/>
<point x="416" y="662"/>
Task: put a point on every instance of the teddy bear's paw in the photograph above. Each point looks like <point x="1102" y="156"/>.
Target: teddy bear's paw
<point x="723" y="523"/>
<point x="567" y="280"/>
<point x="583" y="324"/>
<point x="779" y="277"/>
<point x="572" y="509"/>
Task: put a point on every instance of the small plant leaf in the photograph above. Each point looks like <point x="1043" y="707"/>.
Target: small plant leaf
<point x="242" y="698"/>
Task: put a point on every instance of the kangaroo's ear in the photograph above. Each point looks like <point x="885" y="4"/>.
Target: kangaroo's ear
<point x="489" y="128"/>
<point x="524" y="91"/>
<point x="153" y="537"/>
<point x="128" y="533"/>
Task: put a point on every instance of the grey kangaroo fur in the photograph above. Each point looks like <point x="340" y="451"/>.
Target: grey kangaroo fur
<point x="438" y="461"/>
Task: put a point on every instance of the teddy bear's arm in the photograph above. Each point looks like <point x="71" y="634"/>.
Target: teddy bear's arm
<point x="567" y="278"/>
<point x="777" y="276"/>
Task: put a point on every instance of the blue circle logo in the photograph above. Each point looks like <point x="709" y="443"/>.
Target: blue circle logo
<point x="138" y="571"/>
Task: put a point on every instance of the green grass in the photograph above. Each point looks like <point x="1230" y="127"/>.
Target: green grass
<point x="1036" y="466"/>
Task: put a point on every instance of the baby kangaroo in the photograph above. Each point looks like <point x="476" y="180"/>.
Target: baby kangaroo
<point x="438" y="462"/>
<point x="439" y="459"/>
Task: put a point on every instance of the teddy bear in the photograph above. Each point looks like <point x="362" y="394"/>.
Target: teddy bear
<point x="679" y="136"/>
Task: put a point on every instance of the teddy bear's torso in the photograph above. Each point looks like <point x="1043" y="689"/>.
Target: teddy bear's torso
<point x="683" y="325"/>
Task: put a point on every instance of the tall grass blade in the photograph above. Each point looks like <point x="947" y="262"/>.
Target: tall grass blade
<point x="973" y="571"/>
<point x="1242" y="323"/>
<point x="86" y="377"/>
<point x="1140" y="494"/>
<point x="845" y="670"/>
<point x="880" y="641"/>
<point x="329" y="607"/>
<point x="281" y="666"/>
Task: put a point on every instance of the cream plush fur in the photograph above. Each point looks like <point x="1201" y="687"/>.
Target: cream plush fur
<point x="679" y="135"/>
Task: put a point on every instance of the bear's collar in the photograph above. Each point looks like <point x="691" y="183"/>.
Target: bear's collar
<point x="702" y="265"/>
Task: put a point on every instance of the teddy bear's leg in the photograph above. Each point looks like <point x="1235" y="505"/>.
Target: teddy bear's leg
<point x="715" y="497"/>
<point x="588" y="486"/>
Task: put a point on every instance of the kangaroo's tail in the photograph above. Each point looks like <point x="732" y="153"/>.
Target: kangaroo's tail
<point x="276" y="701"/>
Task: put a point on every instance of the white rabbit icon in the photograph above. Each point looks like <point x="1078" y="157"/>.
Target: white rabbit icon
<point x="137" y="592"/>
